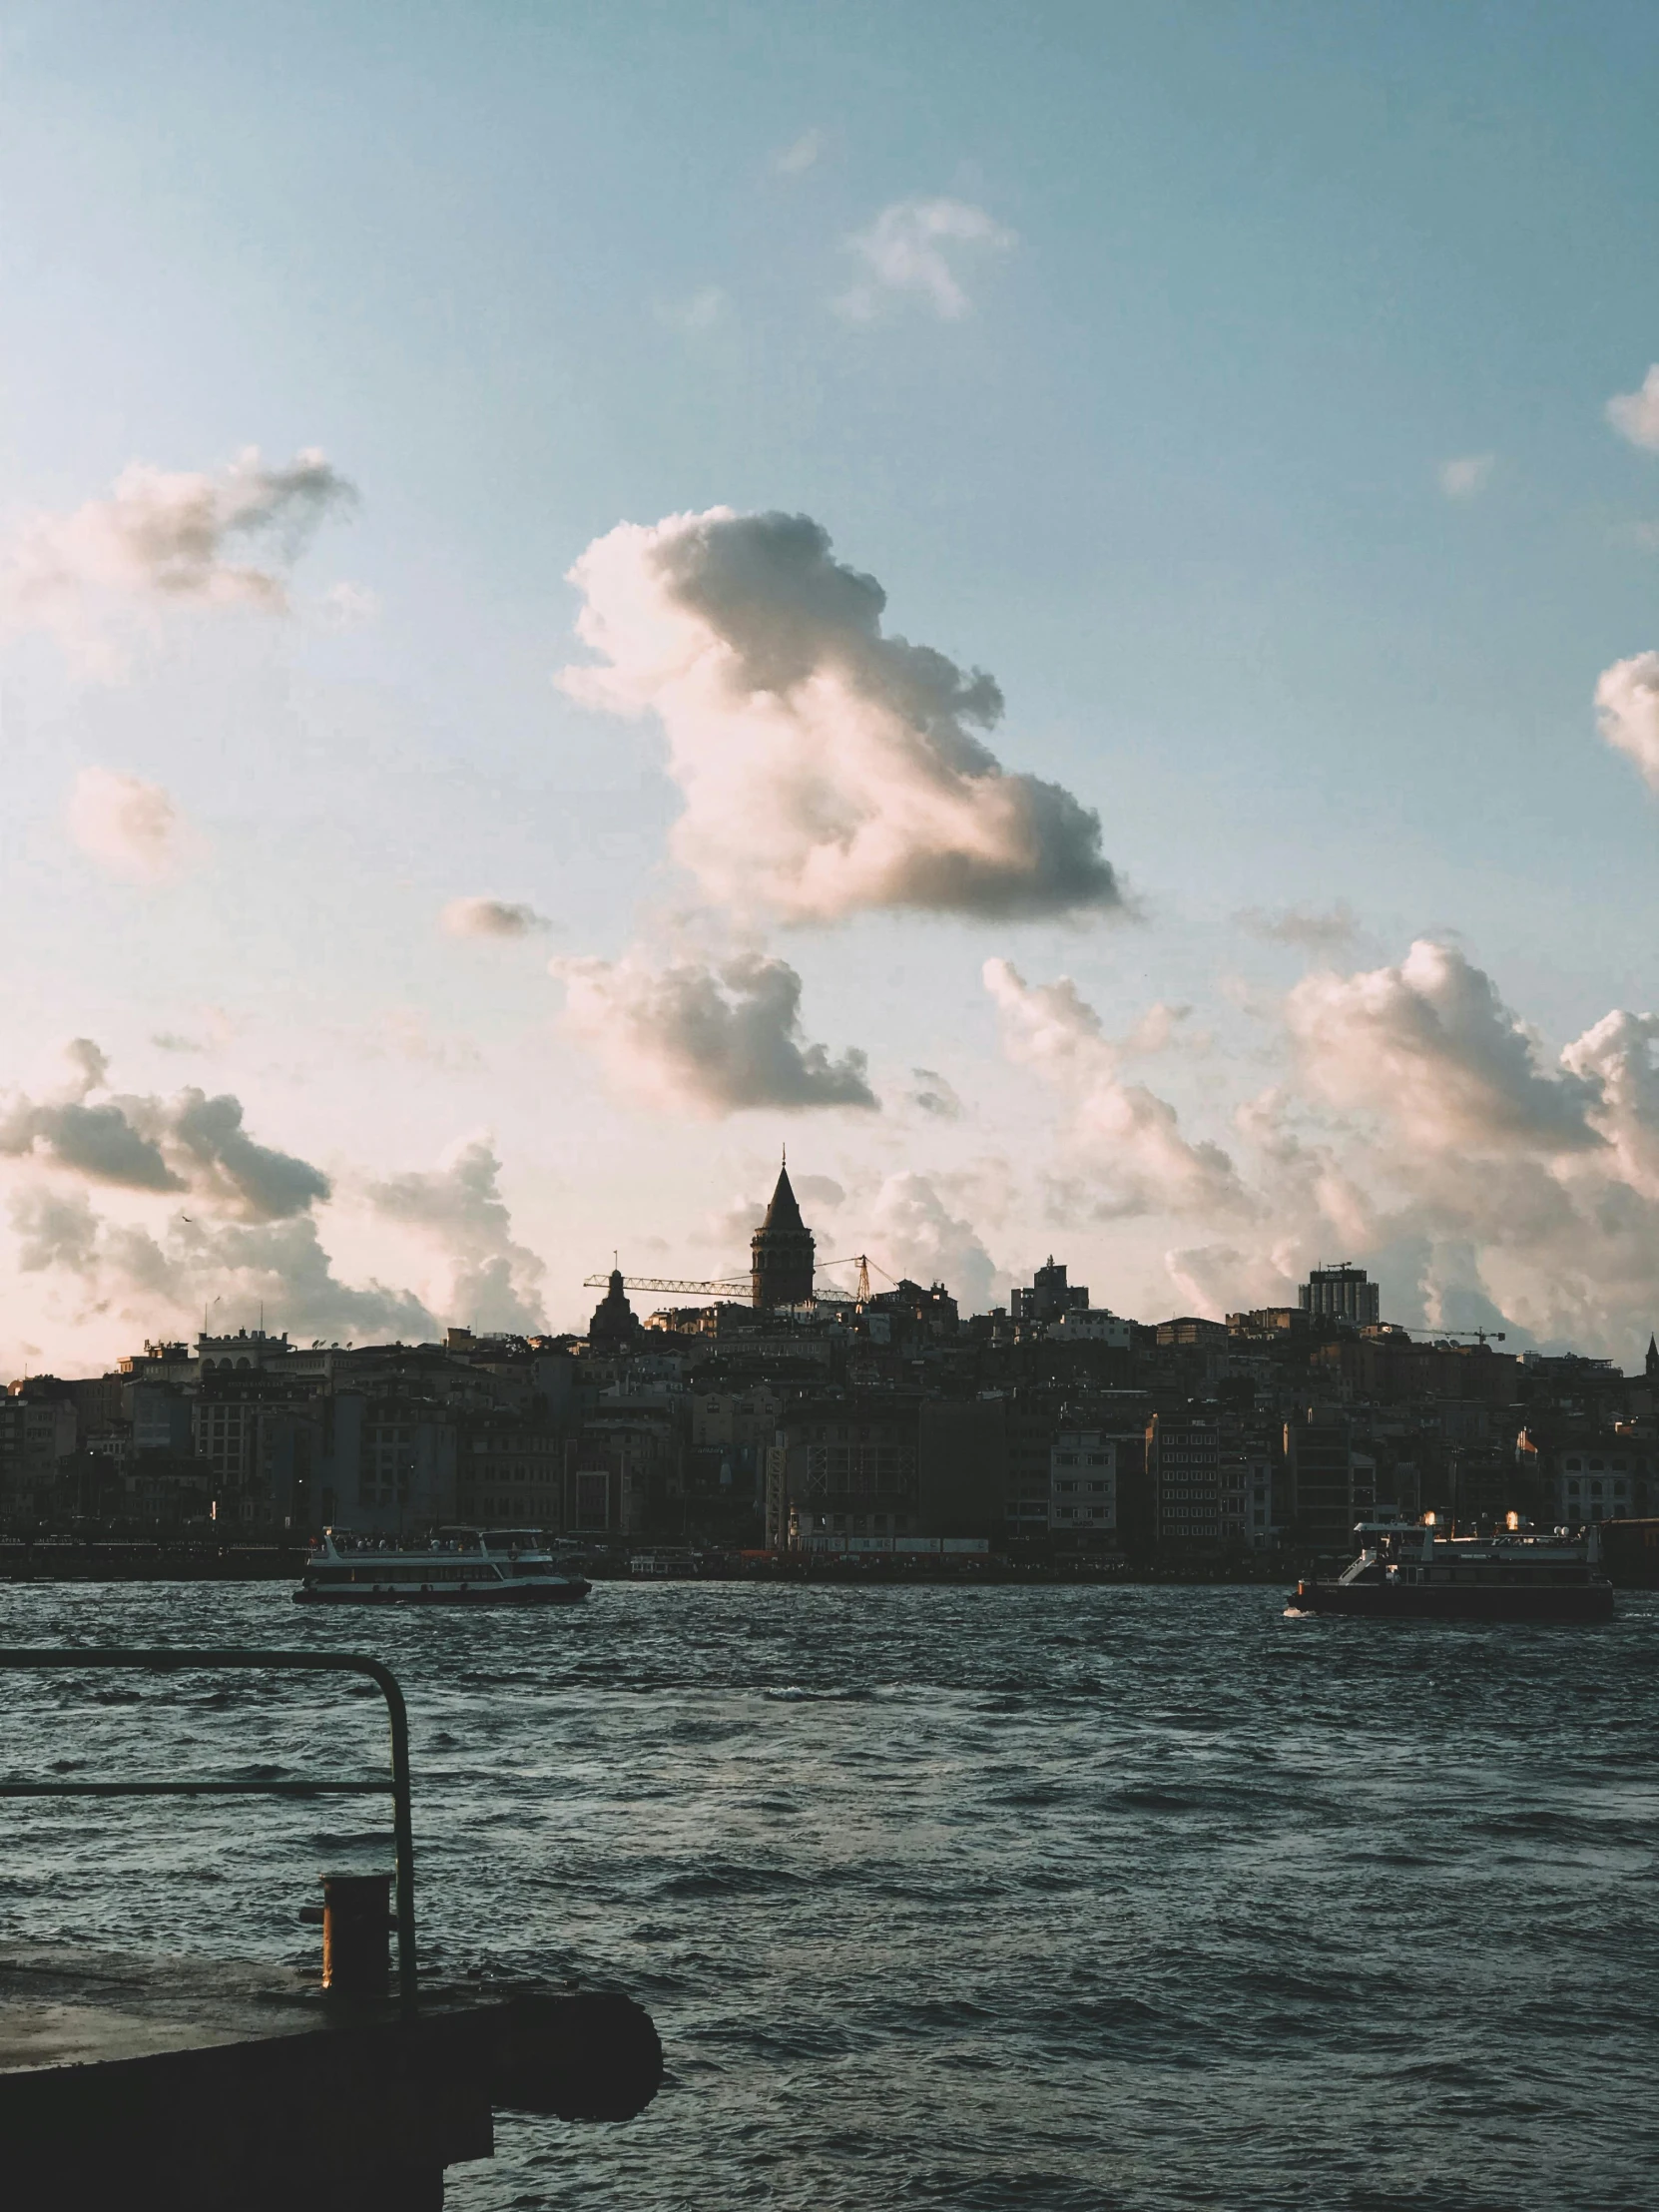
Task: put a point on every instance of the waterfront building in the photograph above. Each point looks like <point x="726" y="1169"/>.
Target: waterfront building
<point x="1333" y="1485"/>
<point x="844" y="1466"/>
<point x="1183" y="1457"/>
<point x="1084" y="1485"/>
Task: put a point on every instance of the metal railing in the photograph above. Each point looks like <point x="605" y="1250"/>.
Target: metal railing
<point x="24" y="1658"/>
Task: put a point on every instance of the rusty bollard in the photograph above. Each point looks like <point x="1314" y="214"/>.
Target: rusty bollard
<point x="356" y="1914"/>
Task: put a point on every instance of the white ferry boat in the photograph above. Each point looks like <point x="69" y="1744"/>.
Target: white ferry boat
<point x="461" y="1566"/>
<point x="1425" y="1572"/>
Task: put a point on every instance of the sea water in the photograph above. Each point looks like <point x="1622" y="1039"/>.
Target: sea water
<point x="1045" y="1899"/>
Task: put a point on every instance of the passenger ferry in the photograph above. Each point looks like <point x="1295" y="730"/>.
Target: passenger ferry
<point x="1407" y="1572"/>
<point x="461" y="1566"/>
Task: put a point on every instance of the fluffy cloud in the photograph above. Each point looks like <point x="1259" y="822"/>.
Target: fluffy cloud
<point x="188" y="1143"/>
<point x="826" y="768"/>
<point x="796" y="160"/>
<point x="127" y="1276"/>
<point x="934" y="1094"/>
<point x="490" y="917"/>
<point x="1431" y="1045"/>
<point x="1635" y="414"/>
<point x="1426" y="1131"/>
<point x="908" y="249"/>
<point x="913" y="1229"/>
<point x="131" y="827"/>
<point x="495" y="1283"/>
<point x="1310" y="929"/>
<point x="1627" y="710"/>
<point x="173" y="537"/>
<point x="54" y="1229"/>
<point x="224" y="1164"/>
<point x="1468" y="476"/>
<point x="1129" y="1138"/>
<point x="707" y="1039"/>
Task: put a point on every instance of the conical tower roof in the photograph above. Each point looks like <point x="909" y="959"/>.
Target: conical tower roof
<point x="783" y="1213"/>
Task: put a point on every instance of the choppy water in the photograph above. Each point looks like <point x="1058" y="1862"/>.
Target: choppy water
<point x="1047" y="1899"/>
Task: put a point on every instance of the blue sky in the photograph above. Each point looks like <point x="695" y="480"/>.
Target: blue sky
<point x="1248" y="281"/>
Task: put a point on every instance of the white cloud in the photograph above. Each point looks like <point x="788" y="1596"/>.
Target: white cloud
<point x="490" y="917"/>
<point x="159" y="1284"/>
<point x="1311" y="930"/>
<point x="796" y="160"/>
<point x="1431" y="1047"/>
<point x="494" y="1282"/>
<point x="907" y="251"/>
<point x="348" y="606"/>
<point x="702" y="310"/>
<point x="827" y="768"/>
<point x="709" y="1039"/>
<point x="127" y="826"/>
<point x="1128" y="1139"/>
<point x="919" y="1236"/>
<point x="1468" y="476"/>
<point x="1627" y="711"/>
<point x="1426" y="1131"/>
<point x="190" y="1142"/>
<point x="936" y="1095"/>
<point x="1635" y="414"/>
<point x="172" y="538"/>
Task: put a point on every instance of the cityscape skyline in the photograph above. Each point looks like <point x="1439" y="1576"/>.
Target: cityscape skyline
<point x="1091" y="653"/>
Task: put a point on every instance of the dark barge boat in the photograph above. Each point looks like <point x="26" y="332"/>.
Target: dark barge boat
<point x="1426" y="1573"/>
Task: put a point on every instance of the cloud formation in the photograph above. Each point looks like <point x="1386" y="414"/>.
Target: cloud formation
<point x="707" y="1038"/>
<point x="1424" y="1128"/>
<point x="827" y="768"/>
<point x="1627" y="711"/>
<point x="796" y="160"/>
<point x="1127" y="1138"/>
<point x="1310" y="929"/>
<point x="173" y="537"/>
<point x="131" y="827"/>
<point x="908" y="252"/>
<point x="916" y="1232"/>
<point x="1468" y="476"/>
<point x="495" y="1282"/>
<point x="936" y="1095"/>
<point x="1431" y="1045"/>
<point x="188" y="1143"/>
<point x="1635" y="414"/>
<point x="490" y="917"/>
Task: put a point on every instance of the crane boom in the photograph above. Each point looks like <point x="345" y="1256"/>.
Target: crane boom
<point x="667" y="1282"/>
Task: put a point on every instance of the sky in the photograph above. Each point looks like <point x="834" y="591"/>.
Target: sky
<point x="1057" y="608"/>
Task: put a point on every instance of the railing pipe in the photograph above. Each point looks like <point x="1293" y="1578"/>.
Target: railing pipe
<point x="168" y="1659"/>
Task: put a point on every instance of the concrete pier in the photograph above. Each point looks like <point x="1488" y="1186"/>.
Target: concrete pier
<point x="206" y="2087"/>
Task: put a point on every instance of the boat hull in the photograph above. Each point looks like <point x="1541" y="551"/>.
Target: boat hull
<point x="1378" y="1601"/>
<point x="467" y="1599"/>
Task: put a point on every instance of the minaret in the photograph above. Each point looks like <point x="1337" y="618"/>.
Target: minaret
<point x="781" y="1252"/>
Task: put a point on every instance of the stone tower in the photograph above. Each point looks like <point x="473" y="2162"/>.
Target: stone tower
<point x="781" y="1252"/>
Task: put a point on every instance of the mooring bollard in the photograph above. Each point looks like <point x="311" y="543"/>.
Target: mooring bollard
<point x="356" y="1914"/>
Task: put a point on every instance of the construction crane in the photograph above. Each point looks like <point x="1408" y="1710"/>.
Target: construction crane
<point x="740" y="1282"/>
<point x="1481" y="1336"/>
